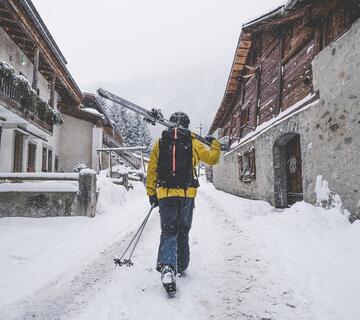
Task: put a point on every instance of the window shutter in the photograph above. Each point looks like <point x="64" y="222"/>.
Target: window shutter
<point x="44" y="160"/>
<point x="240" y="166"/>
<point x="252" y="165"/>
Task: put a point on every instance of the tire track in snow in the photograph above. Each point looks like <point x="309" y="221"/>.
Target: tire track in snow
<point x="265" y="294"/>
<point x="67" y="295"/>
<point x="229" y="278"/>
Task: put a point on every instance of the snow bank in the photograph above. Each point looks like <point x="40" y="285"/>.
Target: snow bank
<point x="111" y="196"/>
<point x="316" y="250"/>
<point x="36" y="251"/>
<point x="313" y="250"/>
<point x="327" y="199"/>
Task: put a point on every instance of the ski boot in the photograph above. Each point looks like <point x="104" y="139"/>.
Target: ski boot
<point x="168" y="280"/>
<point x="181" y="274"/>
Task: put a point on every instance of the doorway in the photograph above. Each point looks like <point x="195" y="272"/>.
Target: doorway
<point x="288" y="181"/>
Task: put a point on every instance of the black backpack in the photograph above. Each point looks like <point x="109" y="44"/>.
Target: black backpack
<point x="175" y="165"/>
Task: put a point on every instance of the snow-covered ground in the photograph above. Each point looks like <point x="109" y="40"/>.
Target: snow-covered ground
<point x="248" y="261"/>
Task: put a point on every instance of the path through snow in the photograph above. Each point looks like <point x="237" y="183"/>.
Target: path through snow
<point x="238" y="270"/>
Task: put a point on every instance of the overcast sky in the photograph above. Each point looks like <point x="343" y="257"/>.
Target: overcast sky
<point x="117" y="40"/>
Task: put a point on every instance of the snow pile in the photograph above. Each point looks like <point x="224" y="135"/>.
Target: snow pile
<point x="111" y="196"/>
<point x="316" y="251"/>
<point x="325" y="198"/>
<point x="312" y="251"/>
<point x="79" y="166"/>
<point x="93" y="111"/>
<point x="36" y="251"/>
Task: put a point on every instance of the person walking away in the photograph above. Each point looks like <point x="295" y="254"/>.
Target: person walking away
<point x="172" y="185"/>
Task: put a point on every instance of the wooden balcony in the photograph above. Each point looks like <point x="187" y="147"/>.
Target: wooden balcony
<point x="24" y="107"/>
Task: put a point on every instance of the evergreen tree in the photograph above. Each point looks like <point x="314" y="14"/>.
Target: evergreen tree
<point x="133" y="128"/>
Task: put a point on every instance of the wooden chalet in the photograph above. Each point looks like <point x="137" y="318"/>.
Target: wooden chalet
<point x="284" y="95"/>
<point x="272" y="69"/>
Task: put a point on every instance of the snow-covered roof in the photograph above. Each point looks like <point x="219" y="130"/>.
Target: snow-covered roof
<point x="93" y="111"/>
<point x="24" y="23"/>
<point x="279" y="16"/>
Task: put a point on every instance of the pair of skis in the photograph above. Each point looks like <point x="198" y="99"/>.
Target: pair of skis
<point x="153" y="116"/>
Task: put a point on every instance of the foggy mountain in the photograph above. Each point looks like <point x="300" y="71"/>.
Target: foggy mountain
<point x="197" y="91"/>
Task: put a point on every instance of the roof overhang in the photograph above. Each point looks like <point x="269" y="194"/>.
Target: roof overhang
<point x="29" y="31"/>
<point x="78" y="113"/>
<point x="272" y="20"/>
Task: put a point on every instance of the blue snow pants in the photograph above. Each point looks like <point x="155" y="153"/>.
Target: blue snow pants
<point x="176" y="215"/>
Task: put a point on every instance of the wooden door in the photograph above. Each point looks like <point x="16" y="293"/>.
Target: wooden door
<point x="18" y="152"/>
<point x="31" y="157"/>
<point x="294" y="171"/>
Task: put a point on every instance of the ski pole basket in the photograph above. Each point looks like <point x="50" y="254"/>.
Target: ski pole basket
<point x="134" y="242"/>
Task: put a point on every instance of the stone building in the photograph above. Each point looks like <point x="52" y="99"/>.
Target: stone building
<point x="291" y="106"/>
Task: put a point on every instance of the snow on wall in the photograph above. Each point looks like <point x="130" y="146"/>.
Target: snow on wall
<point x="324" y="197"/>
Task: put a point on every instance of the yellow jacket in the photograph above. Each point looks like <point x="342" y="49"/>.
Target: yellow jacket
<point x="200" y="153"/>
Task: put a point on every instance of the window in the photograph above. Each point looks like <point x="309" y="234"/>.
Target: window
<point x="240" y="166"/>
<point x="44" y="160"/>
<point x="247" y="166"/>
<point x="50" y="161"/>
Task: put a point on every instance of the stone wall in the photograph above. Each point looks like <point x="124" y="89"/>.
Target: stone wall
<point x="329" y="133"/>
<point x="52" y="203"/>
<point x="335" y="153"/>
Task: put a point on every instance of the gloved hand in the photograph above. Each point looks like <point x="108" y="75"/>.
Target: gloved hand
<point x="210" y="138"/>
<point x="154" y="201"/>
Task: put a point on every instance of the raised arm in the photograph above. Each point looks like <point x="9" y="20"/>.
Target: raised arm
<point x="208" y="155"/>
<point x="151" y="179"/>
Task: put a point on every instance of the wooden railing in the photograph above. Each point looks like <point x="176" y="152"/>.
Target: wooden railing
<point x="10" y="90"/>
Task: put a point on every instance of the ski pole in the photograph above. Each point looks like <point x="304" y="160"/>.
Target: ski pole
<point x="120" y="261"/>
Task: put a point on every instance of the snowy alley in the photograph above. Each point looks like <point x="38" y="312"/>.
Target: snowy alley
<point x="248" y="261"/>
